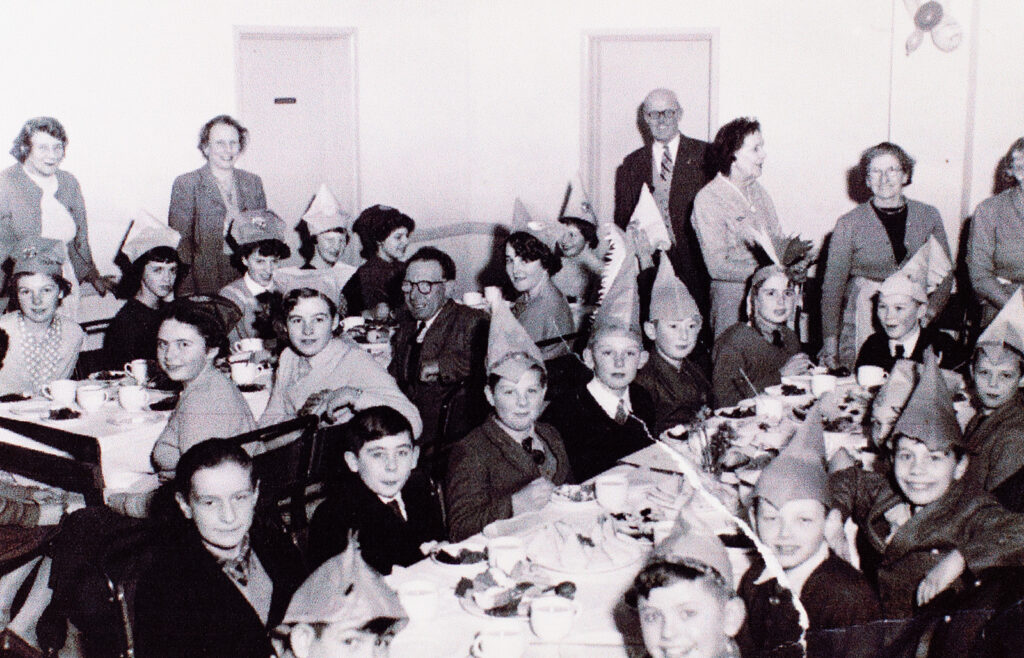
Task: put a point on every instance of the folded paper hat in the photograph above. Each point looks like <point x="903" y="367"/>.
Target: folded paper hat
<point x="692" y="543"/>
<point x="670" y="299"/>
<point x="929" y="416"/>
<point x="1007" y="328"/>
<point x="146" y="232"/>
<point x="545" y="231"/>
<point x="619" y="305"/>
<point x="256" y="226"/>
<point x="891" y="399"/>
<point x="576" y="203"/>
<point x="324" y="214"/>
<point x="929" y="265"/>
<point x="798" y="472"/>
<point x="288" y="279"/>
<point x="510" y="350"/>
<point x="647" y="217"/>
<point x="38" y="256"/>
<point x="899" y="284"/>
<point x="347" y="593"/>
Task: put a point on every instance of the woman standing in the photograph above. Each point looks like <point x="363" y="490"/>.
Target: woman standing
<point x="43" y="344"/>
<point x="868" y="244"/>
<point x="38" y="199"/>
<point x="205" y="201"/>
<point x="995" y="248"/>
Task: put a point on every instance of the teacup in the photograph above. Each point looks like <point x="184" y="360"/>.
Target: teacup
<point x="611" y="490"/>
<point x="551" y="617"/>
<point x="500" y="641"/>
<point x="138" y="370"/>
<point x="472" y="298"/>
<point x="492" y="294"/>
<point x="61" y="391"/>
<point x="248" y="345"/>
<point x="505" y="553"/>
<point x="132" y="398"/>
<point x="868" y="376"/>
<point x="351" y="322"/>
<point x="822" y="384"/>
<point x="769" y="408"/>
<point x="91" y="397"/>
<point x="419" y="598"/>
<point x="244" y="372"/>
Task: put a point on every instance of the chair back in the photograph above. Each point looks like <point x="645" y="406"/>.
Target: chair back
<point x="79" y="471"/>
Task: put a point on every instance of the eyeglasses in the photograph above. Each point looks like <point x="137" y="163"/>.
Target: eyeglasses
<point x="888" y="173"/>
<point x="657" y="115"/>
<point x="423" y="286"/>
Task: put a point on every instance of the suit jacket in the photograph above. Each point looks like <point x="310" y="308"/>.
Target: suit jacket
<point x="486" y="468"/>
<point x="838" y="599"/>
<point x="689" y="175"/>
<point x="973" y="523"/>
<point x="875" y="350"/>
<point x="197" y="211"/>
<point x="384" y="538"/>
<point x="21" y="216"/>
<point x="186" y="605"/>
<point x="996" y="444"/>
<point x="457" y="342"/>
<point x="677" y="394"/>
<point x="593" y="440"/>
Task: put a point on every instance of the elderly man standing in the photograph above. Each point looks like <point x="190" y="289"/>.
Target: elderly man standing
<point x="672" y="166"/>
<point x="438" y="355"/>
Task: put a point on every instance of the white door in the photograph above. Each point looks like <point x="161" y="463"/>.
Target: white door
<point x="297" y="97"/>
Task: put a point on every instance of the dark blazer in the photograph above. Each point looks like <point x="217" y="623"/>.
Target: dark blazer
<point x="21" y="216"/>
<point x="689" y="174"/>
<point x="197" y="211"/>
<point x="875" y="350"/>
<point x="187" y="606"/>
<point x="837" y="598"/>
<point x="457" y="342"/>
<point x="486" y="468"/>
<point x="385" y="538"/>
<point x="593" y="440"/>
<point x="677" y="394"/>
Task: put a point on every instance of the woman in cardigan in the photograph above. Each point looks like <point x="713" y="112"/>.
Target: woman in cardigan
<point x="205" y="201"/>
<point x="729" y="212"/>
<point x="760" y="352"/>
<point x="43" y="343"/>
<point x="38" y="199"/>
<point x="868" y="244"/>
<point x="995" y="248"/>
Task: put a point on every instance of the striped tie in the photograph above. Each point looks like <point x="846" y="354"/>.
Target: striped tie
<point x="666" y="163"/>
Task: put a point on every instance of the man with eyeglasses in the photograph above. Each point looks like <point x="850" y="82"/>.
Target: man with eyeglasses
<point x="438" y="355"/>
<point x="672" y="166"/>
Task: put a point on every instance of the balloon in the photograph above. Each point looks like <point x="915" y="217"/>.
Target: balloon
<point x="947" y="35"/>
<point x="914" y="40"/>
<point x="928" y="15"/>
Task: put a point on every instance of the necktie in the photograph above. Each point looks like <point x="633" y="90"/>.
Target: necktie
<point x="536" y="453"/>
<point x="396" y="508"/>
<point x="666" y="163"/>
<point x="237" y="568"/>
<point x="777" y="339"/>
<point x="412" y="371"/>
<point x="621" y="415"/>
<point x="900" y="352"/>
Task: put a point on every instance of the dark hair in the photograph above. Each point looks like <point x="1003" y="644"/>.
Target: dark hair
<point x="531" y="248"/>
<point x="204" y="132"/>
<point x="436" y="255"/>
<point x="22" y="144"/>
<point x="958" y="451"/>
<point x="374" y="423"/>
<point x="204" y="318"/>
<point x="888" y="148"/>
<point x="131" y="282"/>
<point x="376" y="223"/>
<point x="588" y="230"/>
<point x="1004" y="175"/>
<point x="269" y="247"/>
<point x="493" y="378"/>
<point x="209" y="454"/>
<point x="663" y="573"/>
<point x="729" y="139"/>
<point x="307" y="241"/>
<point x="12" y="288"/>
<point x="291" y="300"/>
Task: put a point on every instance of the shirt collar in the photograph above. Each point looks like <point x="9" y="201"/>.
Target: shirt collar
<point x="397" y="499"/>
<point x="908" y="343"/>
<point x="673" y="148"/>
<point x="798" y="575"/>
<point x="255" y="288"/>
<point x="428" y="323"/>
<point x="606" y="398"/>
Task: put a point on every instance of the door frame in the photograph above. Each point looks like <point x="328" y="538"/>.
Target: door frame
<point x="310" y="33"/>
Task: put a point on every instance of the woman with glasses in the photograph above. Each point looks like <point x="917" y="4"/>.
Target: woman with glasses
<point x="868" y="244"/>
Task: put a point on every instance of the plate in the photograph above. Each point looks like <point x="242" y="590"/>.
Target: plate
<point x="569" y="548"/>
<point x="128" y="419"/>
<point x="454" y="549"/>
<point x="108" y="376"/>
<point x="32" y="408"/>
<point x="470" y="606"/>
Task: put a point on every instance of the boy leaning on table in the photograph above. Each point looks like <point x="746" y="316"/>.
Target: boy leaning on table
<point x="343" y="610"/>
<point x="790" y="512"/>
<point x="924" y="528"/>
<point x="676" y="384"/>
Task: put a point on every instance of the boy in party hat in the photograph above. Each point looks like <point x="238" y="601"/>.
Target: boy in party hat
<point x="676" y="384"/>
<point x="790" y="513"/>
<point x="611" y="416"/>
<point x="343" y="610"/>
<point x="923" y="527"/>
<point x="511" y="463"/>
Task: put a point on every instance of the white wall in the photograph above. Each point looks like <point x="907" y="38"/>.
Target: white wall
<point x="464" y="105"/>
